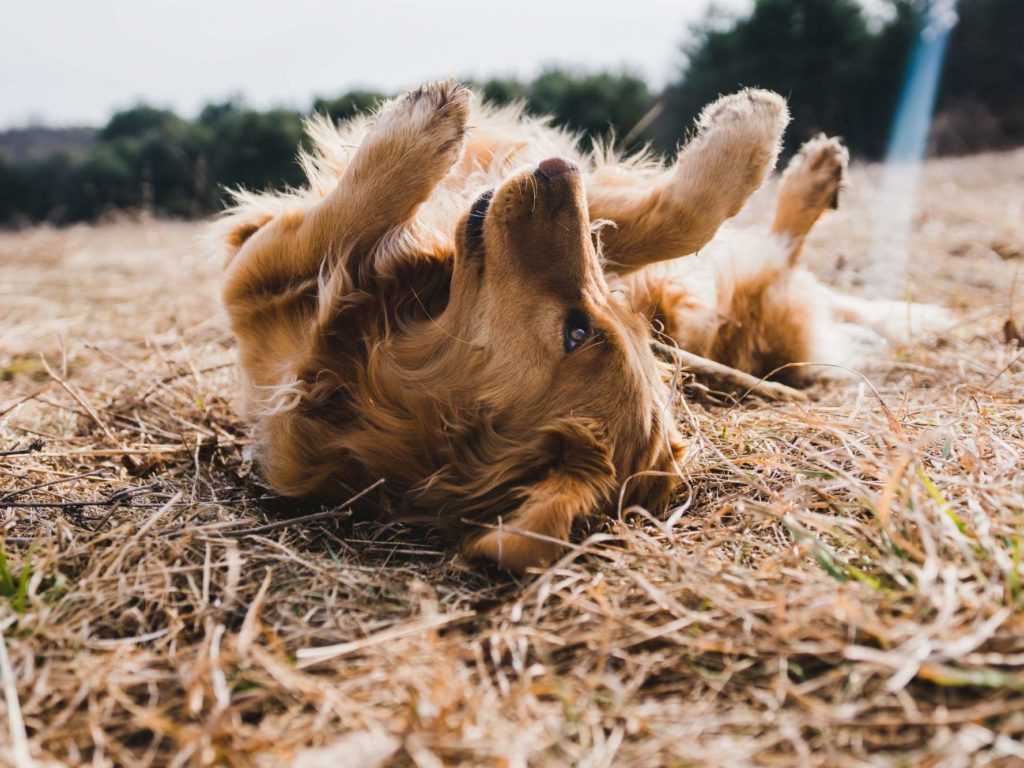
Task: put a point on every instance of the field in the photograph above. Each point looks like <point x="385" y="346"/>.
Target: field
<point x="841" y="584"/>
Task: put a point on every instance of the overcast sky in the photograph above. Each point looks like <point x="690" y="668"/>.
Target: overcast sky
<point x="68" y="62"/>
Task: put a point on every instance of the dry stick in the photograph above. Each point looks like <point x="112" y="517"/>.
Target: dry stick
<point x="342" y="510"/>
<point x="114" y="498"/>
<point x="77" y="397"/>
<point x="117" y="496"/>
<point x="33" y="447"/>
<point x="138" y="450"/>
<point x="731" y="379"/>
<point x="15" y="723"/>
<point x="31" y="395"/>
<point x="250" y="626"/>
<point x="49" y="483"/>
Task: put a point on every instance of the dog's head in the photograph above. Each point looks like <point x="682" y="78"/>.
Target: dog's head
<point x="561" y="363"/>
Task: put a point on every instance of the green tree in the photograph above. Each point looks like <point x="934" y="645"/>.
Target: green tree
<point x="598" y="104"/>
<point x="984" y="70"/>
<point x="49" y="188"/>
<point x="349" y="104"/>
<point x="12" y="191"/>
<point x="137" y="121"/>
<point x="502" y="91"/>
<point x="252" y="149"/>
<point x="812" y="51"/>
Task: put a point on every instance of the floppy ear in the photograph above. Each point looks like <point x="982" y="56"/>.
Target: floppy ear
<point x="580" y="479"/>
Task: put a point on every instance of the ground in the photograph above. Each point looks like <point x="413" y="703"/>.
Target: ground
<point x="840" y="584"/>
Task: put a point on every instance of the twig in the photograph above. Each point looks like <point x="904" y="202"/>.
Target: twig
<point x="137" y="450"/>
<point x="15" y="723"/>
<point x="342" y="510"/>
<point x="729" y="379"/>
<point x="116" y="496"/>
<point x="49" y="483"/>
<point x="33" y="447"/>
<point x="33" y="394"/>
<point x="126" y="492"/>
<point x="78" y="398"/>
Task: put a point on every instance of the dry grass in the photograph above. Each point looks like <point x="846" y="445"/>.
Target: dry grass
<point x="842" y="585"/>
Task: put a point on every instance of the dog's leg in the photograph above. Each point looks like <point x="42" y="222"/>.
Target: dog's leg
<point x="413" y="143"/>
<point x="810" y="185"/>
<point x="676" y="212"/>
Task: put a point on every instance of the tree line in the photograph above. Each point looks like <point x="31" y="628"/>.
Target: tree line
<point x="840" y="66"/>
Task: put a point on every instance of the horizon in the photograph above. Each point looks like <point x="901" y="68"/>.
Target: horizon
<point x="191" y="54"/>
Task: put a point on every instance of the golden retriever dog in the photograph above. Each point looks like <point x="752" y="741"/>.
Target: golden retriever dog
<point x="462" y="302"/>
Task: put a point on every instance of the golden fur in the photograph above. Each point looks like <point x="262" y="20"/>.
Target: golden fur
<point x="388" y="326"/>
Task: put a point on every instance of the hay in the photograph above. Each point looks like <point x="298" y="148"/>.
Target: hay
<point x="840" y="584"/>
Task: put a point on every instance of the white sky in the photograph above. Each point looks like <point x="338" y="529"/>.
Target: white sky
<point x="67" y="62"/>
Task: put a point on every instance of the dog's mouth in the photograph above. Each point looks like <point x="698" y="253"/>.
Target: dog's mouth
<point x="549" y="172"/>
<point x="477" y="215"/>
<point x="534" y="228"/>
<point x="535" y="198"/>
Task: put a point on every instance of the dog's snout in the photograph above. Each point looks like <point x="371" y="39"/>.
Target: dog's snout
<point x="554" y="167"/>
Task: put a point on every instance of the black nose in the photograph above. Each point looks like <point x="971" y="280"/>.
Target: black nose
<point x="554" y="167"/>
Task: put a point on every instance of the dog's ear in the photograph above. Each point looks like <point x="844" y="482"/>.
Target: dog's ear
<point x="579" y="479"/>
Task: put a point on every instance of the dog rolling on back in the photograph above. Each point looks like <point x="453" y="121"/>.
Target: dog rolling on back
<point x="462" y="304"/>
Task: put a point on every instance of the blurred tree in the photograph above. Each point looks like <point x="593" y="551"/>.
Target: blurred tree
<point x="49" y="185"/>
<point x="601" y="104"/>
<point x="216" y="112"/>
<point x="137" y="121"/>
<point x="12" y="191"/>
<point x="983" y="80"/>
<point x="255" y="150"/>
<point x="502" y="90"/>
<point x="105" y="179"/>
<point x="813" y="51"/>
<point x="145" y="159"/>
<point x="349" y="104"/>
<point x="841" y="67"/>
<point x="880" y="77"/>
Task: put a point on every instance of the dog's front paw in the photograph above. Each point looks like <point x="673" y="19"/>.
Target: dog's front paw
<point x="737" y="142"/>
<point x="753" y="108"/>
<point x="431" y="118"/>
<point x="512" y="550"/>
<point x="748" y="125"/>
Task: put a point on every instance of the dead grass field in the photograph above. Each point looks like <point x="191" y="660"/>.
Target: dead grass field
<point x="841" y="586"/>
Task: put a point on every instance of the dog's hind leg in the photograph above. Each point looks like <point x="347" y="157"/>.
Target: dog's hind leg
<point x="412" y="145"/>
<point x="810" y="185"/>
<point x="677" y="211"/>
<point x="774" y="313"/>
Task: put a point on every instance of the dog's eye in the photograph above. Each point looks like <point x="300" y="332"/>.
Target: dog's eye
<point x="576" y="331"/>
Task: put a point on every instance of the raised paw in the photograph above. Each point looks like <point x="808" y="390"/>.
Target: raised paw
<point x="412" y="145"/>
<point x="762" y="114"/>
<point x="742" y="133"/>
<point x="430" y="119"/>
<point x="737" y="142"/>
<point x="816" y="175"/>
